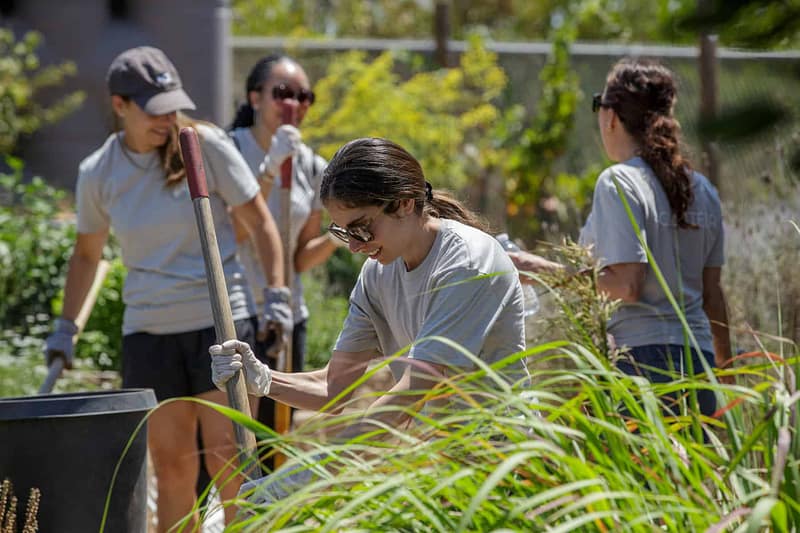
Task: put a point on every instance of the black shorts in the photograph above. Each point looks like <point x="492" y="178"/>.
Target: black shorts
<point x="175" y="364"/>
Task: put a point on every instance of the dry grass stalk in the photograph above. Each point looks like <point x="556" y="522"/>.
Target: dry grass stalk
<point x="8" y="509"/>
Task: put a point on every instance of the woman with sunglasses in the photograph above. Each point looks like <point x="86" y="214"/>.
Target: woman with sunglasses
<point x="679" y="214"/>
<point x="431" y="271"/>
<point x="136" y="184"/>
<point x="265" y="144"/>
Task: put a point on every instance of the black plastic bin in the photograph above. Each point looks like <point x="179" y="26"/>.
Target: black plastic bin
<point x="67" y="445"/>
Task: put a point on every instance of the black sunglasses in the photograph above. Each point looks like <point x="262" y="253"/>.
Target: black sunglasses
<point x="283" y="91"/>
<point x="361" y="232"/>
<point x="597" y="102"/>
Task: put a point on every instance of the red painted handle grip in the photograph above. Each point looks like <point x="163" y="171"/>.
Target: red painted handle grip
<point x="193" y="161"/>
<point x="288" y="116"/>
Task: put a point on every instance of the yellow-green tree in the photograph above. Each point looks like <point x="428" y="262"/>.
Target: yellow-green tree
<point x="21" y="78"/>
<point x="444" y="117"/>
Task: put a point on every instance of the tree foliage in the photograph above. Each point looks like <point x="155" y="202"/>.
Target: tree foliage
<point x="511" y="20"/>
<point x="21" y="79"/>
<point x="444" y="117"/>
<point x="543" y="202"/>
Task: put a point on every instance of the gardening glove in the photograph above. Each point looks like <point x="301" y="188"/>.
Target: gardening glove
<point x="281" y="483"/>
<point x="285" y="144"/>
<point x="277" y="318"/>
<point x="59" y="343"/>
<point x="231" y="356"/>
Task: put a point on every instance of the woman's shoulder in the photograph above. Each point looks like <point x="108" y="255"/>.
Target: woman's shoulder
<point x="703" y="188"/>
<point x="467" y="247"/>
<point x="211" y="133"/>
<point x="312" y="162"/>
<point x="98" y="161"/>
<point x="633" y="176"/>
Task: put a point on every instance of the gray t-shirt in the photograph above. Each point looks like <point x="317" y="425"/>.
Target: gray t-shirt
<point x="681" y="254"/>
<point x="307" y="168"/>
<point x="391" y="307"/>
<point x="166" y="289"/>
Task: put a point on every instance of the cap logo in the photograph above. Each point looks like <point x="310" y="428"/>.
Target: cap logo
<point x="164" y="79"/>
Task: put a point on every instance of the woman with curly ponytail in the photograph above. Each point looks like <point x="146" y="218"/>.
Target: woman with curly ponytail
<point x="678" y="213"/>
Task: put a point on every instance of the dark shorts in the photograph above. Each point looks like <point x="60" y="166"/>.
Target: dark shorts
<point x="660" y="363"/>
<point x="175" y="364"/>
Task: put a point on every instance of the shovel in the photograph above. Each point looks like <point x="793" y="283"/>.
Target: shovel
<point x="283" y="413"/>
<point x="57" y="365"/>
<point x="220" y="305"/>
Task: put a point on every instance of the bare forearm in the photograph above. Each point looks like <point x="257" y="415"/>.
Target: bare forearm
<point x="315" y="252"/>
<point x="303" y="390"/>
<point x="78" y="283"/>
<point x="390" y="410"/>
<point x="622" y="281"/>
<point x="268" y="246"/>
<point x="716" y="310"/>
<point x="617" y="286"/>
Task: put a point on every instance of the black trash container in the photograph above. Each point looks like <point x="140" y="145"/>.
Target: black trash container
<point x="68" y="445"/>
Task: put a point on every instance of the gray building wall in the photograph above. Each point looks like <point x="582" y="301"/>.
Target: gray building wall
<point x="195" y="34"/>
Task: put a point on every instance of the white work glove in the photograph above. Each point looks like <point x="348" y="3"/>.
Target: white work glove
<point x="278" y="317"/>
<point x="59" y="343"/>
<point x="285" y="144"/>
<point x="231" y="356"/>
<point x="281" y="483"/>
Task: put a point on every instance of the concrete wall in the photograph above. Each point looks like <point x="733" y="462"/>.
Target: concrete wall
<point x="195" y="34"/>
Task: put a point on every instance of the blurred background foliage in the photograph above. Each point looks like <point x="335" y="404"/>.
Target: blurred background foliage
<point x="21" y="80"/>
<point x="757" y="23"/>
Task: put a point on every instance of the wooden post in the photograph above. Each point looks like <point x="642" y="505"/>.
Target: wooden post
<point x="441" y="32"/>
<point x="708" y="97"/>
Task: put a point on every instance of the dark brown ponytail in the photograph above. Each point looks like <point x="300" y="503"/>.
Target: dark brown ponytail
<point x="374" y="171"/>
<point x="643" y="95"/>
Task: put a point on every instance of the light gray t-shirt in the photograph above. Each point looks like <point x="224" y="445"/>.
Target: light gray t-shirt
<point x="307" y="168"/>
<point x="166" y="289"/>
<point x="391" y="307"/>
<point x="681" y="254"/>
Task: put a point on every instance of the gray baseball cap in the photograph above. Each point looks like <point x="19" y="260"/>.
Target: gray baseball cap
<point x="145" y="75"/>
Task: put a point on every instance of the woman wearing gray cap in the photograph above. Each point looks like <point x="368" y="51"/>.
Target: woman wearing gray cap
<point x="135" y="183"/>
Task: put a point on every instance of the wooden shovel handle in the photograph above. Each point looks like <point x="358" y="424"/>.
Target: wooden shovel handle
<point x="217" y="288"/>
<point x="283" y="413"/>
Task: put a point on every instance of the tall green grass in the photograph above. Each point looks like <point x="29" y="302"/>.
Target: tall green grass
<point x="561" y="459"/>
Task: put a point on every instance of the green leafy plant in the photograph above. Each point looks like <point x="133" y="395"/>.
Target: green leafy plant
<point x="34" y="248"/>
<point x="101" y="339"/>
<point x="448" y="134"/>
<point x="327" y="307"/>
<point x="543" y="202"/>
<point x="36" y="241"/>
<point x="21" y="79"/>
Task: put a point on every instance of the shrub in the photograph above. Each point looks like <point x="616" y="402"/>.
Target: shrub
<point x="21" y="78"/>
<point x="34" y="248"/>
<point x="36" y="240"/>
<point x="443" y="117"/>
